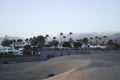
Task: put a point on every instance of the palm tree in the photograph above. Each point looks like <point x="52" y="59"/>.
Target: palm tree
<point x="61" y="37"/>
<point x="64" y="37"/>
<point x="54" y="38"/>
<point x="116" y="45"/>
<point x="27" y="41"/>
<point x="38" y="41"/>
<point x="99" y="40"/>
<point x="77" y="43"/>
<point x="14" y="42"/>
<point x="71" y="41"/>
<point x="20" y="42"/>
<point x="46" y="37"/>
<point x="45" y="45"/>
<point x="55" y="42"/>
<point x="91" y="38"/>
<point x="91" y="42"/>
<point x="96" y="38"/>
<point x="85" y="41"/>
<point x="30" y="40"/>
<point x="61" y="34"/>
<point x="6" y="42"/>
<point x="105" y="37"/>
<point x="110" y="43"/>
<point x="70" y="34"/>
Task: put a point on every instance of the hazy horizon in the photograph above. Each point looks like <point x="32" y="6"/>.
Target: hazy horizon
<point x="66" y="34"/>
<point x="28" y="18"/>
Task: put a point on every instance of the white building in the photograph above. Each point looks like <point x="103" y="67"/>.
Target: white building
<point x="98" y="46"/>
<point x="9" y="50"/>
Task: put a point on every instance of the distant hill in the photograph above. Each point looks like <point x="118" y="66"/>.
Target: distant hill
<point x="75" y="36"/>
<point x="110" y="35"/>
<point x="115" y="36"/>
<point x="88" y="35"/>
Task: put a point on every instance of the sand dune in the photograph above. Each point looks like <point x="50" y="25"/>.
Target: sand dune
<point x="102" y="67"/>
<point x="74" y="67"/>
<point x="101" y="73"/>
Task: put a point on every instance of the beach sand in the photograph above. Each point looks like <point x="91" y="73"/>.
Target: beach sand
<point x="99" y="65"/>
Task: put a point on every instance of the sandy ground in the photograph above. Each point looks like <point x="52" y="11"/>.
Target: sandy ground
<point x="99" y="65"/>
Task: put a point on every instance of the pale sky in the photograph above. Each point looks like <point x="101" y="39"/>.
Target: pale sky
<point x="27" y="18"/>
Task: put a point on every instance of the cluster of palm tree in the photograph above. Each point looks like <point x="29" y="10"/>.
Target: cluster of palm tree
<point x="15" y="43"/>
<point x="43" y="41"/>
<point x="97" y="40"/>
<point x="63" y="42"/>
<point x="86" y="41"/>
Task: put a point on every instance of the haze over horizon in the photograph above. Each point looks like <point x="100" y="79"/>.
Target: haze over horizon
<point x="27" y="18"/>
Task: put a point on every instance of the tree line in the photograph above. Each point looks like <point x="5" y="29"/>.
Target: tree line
<point x="39" y="42"/>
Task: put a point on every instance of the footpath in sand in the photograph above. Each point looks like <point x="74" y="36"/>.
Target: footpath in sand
<point x="95" y="66"/>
